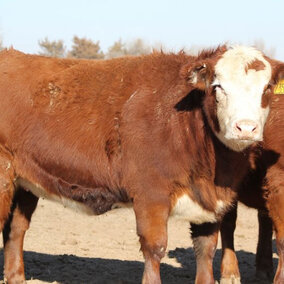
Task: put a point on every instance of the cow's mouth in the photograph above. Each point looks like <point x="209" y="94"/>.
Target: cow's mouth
<point x="247" y="139"/>
<point x="244" y="138"/>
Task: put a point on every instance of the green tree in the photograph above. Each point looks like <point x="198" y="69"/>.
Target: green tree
<point x="85" y="48"/>
<point x="118" y="49"/>
<point x="52" y="48"/>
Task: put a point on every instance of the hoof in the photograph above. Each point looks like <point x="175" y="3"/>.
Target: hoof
<point x="231" y="280"/>
<point x="18" y="280"/>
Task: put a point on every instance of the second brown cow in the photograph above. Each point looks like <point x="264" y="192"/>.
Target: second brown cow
<point x="262" y="188"/>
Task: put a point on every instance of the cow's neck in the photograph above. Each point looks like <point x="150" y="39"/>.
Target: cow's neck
<point x="213" y="169"/>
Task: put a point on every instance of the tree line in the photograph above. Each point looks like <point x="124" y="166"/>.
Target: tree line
<point x="88" y="49"/>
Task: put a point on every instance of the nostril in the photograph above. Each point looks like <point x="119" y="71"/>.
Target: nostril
<point x="238" y="127"/>
<point x="253" y="130"/>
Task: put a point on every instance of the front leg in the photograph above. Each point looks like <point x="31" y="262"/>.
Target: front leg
<point x="229" y="265"/>
<point x="151" y="219"/>
<point x="230" y="273"/>
<point x="205" y="237"/>
<point x="264" y="262"/>
<point x="275" y="206"/>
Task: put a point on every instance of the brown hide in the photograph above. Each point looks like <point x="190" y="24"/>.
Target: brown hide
<point x="129" y="129"/>
<point x="93" y="130"/>
<point x="65" y="127"/>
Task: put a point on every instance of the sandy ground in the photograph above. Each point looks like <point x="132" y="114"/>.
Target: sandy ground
<point x="63" y="246"/>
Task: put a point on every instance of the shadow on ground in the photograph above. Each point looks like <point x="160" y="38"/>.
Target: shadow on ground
<point x="246" y="264"/>
<point x="69" y="269"/>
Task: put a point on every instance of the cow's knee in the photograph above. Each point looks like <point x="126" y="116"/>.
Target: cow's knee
<point x="152" y="231"/>
<point x="154" y="248"/>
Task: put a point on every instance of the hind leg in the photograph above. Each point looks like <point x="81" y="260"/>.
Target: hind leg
<point x="24" y="204"/>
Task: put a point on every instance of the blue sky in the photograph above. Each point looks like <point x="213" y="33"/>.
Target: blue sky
<point x="176" y="24"/>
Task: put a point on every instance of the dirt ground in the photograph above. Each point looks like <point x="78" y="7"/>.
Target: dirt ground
<point x="63" y="246"/>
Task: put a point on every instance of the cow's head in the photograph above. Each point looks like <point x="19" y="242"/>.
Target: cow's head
<point x="237" y="82"/>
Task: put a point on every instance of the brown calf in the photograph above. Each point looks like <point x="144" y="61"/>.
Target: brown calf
<point x="167" y="133"/>
<point x="262" y="188"/>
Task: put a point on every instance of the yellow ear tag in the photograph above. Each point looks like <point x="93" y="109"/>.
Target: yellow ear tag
<point x="279" y="88"/>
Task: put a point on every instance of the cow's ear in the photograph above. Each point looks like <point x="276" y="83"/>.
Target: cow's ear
<point x="197" y="74"/>
<point x="279" y="80"/>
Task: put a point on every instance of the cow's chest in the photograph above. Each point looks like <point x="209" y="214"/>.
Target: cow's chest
<point x="186" y="208"/>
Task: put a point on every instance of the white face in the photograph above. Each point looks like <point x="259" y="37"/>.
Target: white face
<point x="239" y="95"/>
